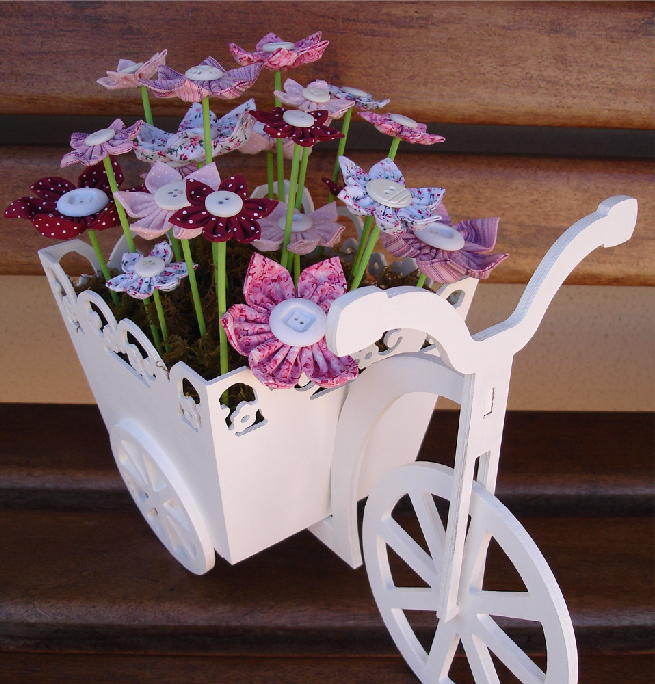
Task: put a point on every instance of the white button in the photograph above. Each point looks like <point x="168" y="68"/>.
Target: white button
<point x="82" y="202"/>
<point x="131" y="69"/>
<point x="298" y="322"/>
<point x="403" y="120"/>
<point x="314" y="94"/>
<point x="355" y="92"/>
<point x="149" y="266"/>
<point x="299" y="223"/>
<point x="294" y="117"/>
<point x="223" y="203"/>
<point x="203" y="72"/>
<point x="388" y="193"/>
<point x="441" y="236"/>
<point x="172" y="196"/>
<point x="99" y="137"/>
<point x="272" y="47"/>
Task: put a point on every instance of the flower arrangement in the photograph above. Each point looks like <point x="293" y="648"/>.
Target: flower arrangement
<point x="270" y="309"/>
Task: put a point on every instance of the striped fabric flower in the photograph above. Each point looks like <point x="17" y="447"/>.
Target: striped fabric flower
<point x="360" y="98"/>
<point x="402" y="127"/>
<point x="273" y="53"/>
<point x="312" y="98"/>
<point x="128" y="73"/>
<point x="91" y="148"/>
<point x="280" y="124"/>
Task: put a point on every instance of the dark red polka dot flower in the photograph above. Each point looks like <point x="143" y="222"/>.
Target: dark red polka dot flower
<point x="62" y="211"/>
<point x="224" y="213"/>
<point x="304" y="128"/>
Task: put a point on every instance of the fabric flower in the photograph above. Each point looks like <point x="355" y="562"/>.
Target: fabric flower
<point x="277" y="55"/>
<point x="223" y="213"/>
<point x="282" y="330"/>
<point x="471" y="238"/>
<point x="405" y="208"/>
<point x="315" y="96"/>
<point x="143" y="275"/>
<point x="208" y="79"/>
<point x="91" y="148"/>
<point x="360" y="97"/>
<point x="54" y="194"/>
<point x="164" y="194"/>
<point x="285" y="123"/>
<point x="129" y="73"/>
<point x="333" y="187"/>
<point x="259" y="141"/>
<point x="308" y="231"/>
<point x="402" y="127"/>
<point x="187" y="145"/>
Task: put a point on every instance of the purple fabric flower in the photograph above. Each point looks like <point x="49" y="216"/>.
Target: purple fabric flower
<point x="207" y="79"/>
<point x="312" y="98"/>
<point x="128" y="73"/>
<point x="273" y="53"/>
<point x="359" y="97"/>
<point x="410" y="207"/>
<point x="91" y="148"/>
<point x="402" y="127"/>
<point x="449" y="266"/>
<point x="299" y="315"/>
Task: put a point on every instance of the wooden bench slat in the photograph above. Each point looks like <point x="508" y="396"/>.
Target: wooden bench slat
<point x="527" y="63"/>
<point x="536" y="198"/>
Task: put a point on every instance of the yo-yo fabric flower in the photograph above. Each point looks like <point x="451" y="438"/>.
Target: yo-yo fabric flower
<point x="382" y="193"/>
<point x="304" y="128"/>
<point x="281" y="329"/>
<point x="402" y="127"/>
<point x="273" y="53"/>
<point x="91" y="148"/>
<point x="308" y="231"/>
<point x="315" y="96"/>
<point x="142" y="275"/>
<point x="187" y="145"/>
<point x="207" y="79"/>
<point x="361" y="98"/>
<point x="129" y="73"/>
<point x="165" y="193"/>
<point x="62" y="211"/>
<point x="446" y="253"/>
<point x="223" y="213"/>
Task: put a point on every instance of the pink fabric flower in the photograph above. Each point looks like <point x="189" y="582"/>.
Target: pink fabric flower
<point x="191" y="87"/>
<point x="360" y="98"/>
<point x="274" y="362"/>
<point x="276" y="126"/>
<point x="402" y="127"/>
<point x="320" y="228"/>
<point x="187" y="145"/>
<point x="50" y="222"/>
<point x="285" y="57"/>
<point x="143" y="275"/>
<point x="91" y="148"/>
<point x="312" y="98"/>
<point x="129" y="73"/>
<point x="151" y="209"/>
<point x="419" y="211"/>
<point x="479" y="236"/>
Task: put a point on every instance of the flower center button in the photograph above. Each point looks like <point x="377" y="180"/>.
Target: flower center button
<point x="82" y="202"/>
<point x="203" y="72"/>
<point x="441" y="236"/>
<point x="99" y="137"/>
<point x="315" y="94"/>
<point x="223" y="203"/>
<point x="149" y="266"/>
<point x="298" y="322"/>
<point x="403" y="120"/>
<point x="388" y="193"/>
<point x="294" y="117"/>
<point x="355" y="92"/>
<point x="272" y="47"/>
<point x="172" y="196"/>
<point x="299" y="223"/>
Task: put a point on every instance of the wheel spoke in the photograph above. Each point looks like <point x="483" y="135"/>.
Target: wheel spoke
<point x="131" y="466"/>
<point x="155" y="476"/>
<point x="430" y="522"/>
<point x="181" y="535"/>
<point x="475" y="552"/>
<point x="511" y="604"/>
<point x="417" y="559"/>
<point x="442" y="651"/>
<point x="174" y="510"/>
<point x="480" y="661"/>
<point x="412" y="598"/>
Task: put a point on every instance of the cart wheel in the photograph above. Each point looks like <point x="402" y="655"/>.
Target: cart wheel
<point x="163" y="498"/>
<point x="481" y="634"/>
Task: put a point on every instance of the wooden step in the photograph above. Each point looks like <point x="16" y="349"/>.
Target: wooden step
<point x="552" y="463"/>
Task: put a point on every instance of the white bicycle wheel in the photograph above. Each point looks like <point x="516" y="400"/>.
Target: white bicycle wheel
<point x="475" y="624"/>
<point x="163" y="498"/>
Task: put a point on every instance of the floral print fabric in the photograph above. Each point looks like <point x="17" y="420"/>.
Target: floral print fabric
<point x="307" y="50"/>
<point x="126" y="76"/>
<point x="411" y="134"/>
<point x="293" y="96"/>
<point x="364" y="101"/>
<point x="88" y="155"/>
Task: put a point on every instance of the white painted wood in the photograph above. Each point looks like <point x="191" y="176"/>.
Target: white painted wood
<point x="307" y="201"/>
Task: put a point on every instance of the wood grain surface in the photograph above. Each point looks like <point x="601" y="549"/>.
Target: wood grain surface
<point x="527" y="63"/>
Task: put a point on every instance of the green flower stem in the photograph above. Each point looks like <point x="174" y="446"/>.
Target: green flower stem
<point x="162" y="320"/>
<point x="279" y="144"/>
<point x="291" y="200"/>
<point x="119" y="207"/>
<point x="421" y="280"/>
<point x="361" y="268"/>
<point x="394" y="148"/>
<point x="175" y="244"/>
<point x="345" y="126"/>
<point x="270" y="175"/>
<point x="301" y="178"/>
<point x="153" y="327"/>
<point x="103" y="264"/>
<point x="296" y="268"/>
<point x="206" y="122"/>
<point x="147" y="112"/>
<point x="278" y="86"/>
<point x="219" y="252"/>
<point x="194" y="287"/>
<point x="368" y="222"/>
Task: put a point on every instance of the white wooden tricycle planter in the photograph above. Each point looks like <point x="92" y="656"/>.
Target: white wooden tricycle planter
<point x="209" y="479"/>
